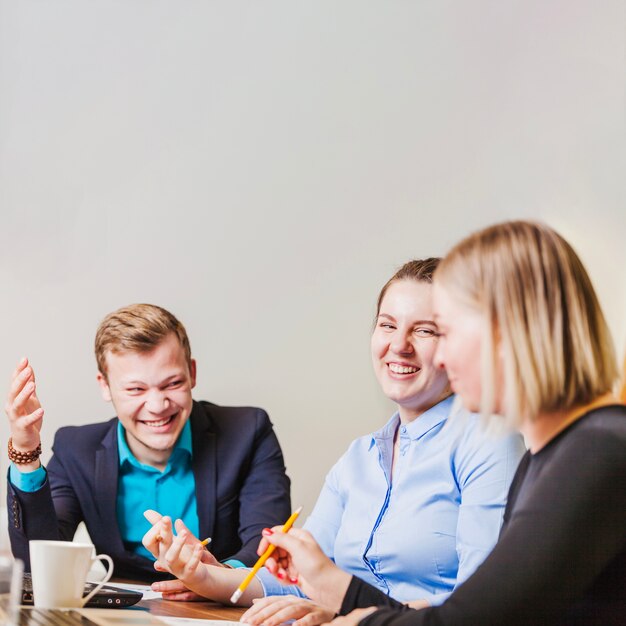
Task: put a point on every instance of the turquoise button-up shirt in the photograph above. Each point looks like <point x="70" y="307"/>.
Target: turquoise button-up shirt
<point x="139" y="487"/>
<point x="170" y="492"/>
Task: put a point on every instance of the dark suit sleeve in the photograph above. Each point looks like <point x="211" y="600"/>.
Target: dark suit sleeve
<point x="52" y="512"/>
<point x="264" y="499"/>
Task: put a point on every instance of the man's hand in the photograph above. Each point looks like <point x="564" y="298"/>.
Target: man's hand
<point x="274" y="610"/>
<point x="299" y="560"/>
<point x="24" y="411"/>
<point x="176" y="590"/>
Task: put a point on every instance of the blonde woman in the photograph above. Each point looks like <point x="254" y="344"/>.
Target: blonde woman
<point x="517" y="295"/>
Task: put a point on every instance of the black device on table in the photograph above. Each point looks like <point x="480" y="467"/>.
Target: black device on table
<point x="107" y="597"/>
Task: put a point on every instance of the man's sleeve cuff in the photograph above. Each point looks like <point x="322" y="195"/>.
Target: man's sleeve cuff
<point x="27" y="481"/>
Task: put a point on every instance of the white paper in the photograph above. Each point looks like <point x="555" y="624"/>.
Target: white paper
<point x="148" y="594"/>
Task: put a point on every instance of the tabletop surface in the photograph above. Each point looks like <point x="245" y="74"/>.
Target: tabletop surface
<point x="157" y="607"/>
<point x="197" y="610"/>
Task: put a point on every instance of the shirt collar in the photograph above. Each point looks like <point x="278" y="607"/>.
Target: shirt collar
<point x="418" y="427"/>
<point x="182" y="448"/>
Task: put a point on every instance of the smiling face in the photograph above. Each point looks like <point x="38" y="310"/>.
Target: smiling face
<point x="151" y="392"/>
<point x="403" y="346"/>
<point x="461" y="330"/>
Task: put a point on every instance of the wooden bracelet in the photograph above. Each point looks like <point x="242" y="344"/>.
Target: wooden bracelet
<point x="23" y="457"/>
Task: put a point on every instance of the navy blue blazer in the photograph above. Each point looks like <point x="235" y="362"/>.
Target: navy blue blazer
<point x="241" y="488"/>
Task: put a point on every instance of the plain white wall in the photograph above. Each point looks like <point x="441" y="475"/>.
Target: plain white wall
<point x="261" y="168"/>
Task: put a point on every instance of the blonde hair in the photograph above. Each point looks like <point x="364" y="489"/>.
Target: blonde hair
<point x="137" y="328"/>
<point x="543" y="321"/>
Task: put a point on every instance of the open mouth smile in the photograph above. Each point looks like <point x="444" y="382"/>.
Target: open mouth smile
<point x="159" y="423"/>
<point x="396" y="368"/>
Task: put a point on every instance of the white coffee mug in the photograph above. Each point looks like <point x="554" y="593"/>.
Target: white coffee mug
<point x="59" y="571"/>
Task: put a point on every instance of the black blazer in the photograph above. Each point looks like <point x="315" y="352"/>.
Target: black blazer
<point x="239" y="471"/>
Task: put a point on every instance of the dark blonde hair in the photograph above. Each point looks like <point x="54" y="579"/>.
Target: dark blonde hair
<point x="420" y="270"/>
<point x="137" y="328"/>
<point x="542" y="316"/>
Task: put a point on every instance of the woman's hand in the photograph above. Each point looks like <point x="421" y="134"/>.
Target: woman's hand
<point x="179" y="554"/>
<point x="153" y="538"/>
<point x="275" y="610"/>
<point x="200" y="574"/>
<point x="354" y="617"/>
<point x="299" y="560"/>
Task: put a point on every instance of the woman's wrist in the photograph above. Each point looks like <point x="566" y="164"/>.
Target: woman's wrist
<point x="218" y="583"/>
<point x="332" y="587"/>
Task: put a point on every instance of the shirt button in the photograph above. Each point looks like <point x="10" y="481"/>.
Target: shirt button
<point x="403" y="430"/>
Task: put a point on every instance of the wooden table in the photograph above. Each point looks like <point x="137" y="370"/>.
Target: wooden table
<point x="197" y="610"/>
<point x="149" y="612"/>
<point x="168" y="608"/>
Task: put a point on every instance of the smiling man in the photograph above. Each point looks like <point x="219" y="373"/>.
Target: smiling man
<point x="219" y="469"/>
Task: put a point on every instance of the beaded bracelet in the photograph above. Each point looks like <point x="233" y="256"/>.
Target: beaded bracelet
<point x="23" y="457"/>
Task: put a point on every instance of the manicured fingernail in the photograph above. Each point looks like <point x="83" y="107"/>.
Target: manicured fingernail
<point x="280" y="575"/>
<point x="293" y="580"/>
<point x="267" y="531"/>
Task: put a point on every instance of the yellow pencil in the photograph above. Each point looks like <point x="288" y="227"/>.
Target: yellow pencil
<point x="259" y="564"/>
<point x="205" y="542"/>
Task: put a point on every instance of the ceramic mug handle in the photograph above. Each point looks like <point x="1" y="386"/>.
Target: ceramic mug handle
<point x="104" y="581"/>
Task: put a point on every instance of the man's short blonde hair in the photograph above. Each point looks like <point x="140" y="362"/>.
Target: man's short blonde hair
<point x="137" y="328"/>
<point x="543" y="321"/>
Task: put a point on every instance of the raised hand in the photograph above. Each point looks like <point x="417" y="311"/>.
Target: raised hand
<point x="24" y="410"/>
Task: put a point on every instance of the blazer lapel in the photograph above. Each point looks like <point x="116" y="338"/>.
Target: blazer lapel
<point x="107" y="472"/>
<point x="204" y="464"/>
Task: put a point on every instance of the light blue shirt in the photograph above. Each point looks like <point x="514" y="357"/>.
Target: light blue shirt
<point x="141" y="487"/>
<point x="425" y="532"/>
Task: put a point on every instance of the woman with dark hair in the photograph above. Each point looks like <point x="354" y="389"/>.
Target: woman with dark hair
<point x="413" y="508"/>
